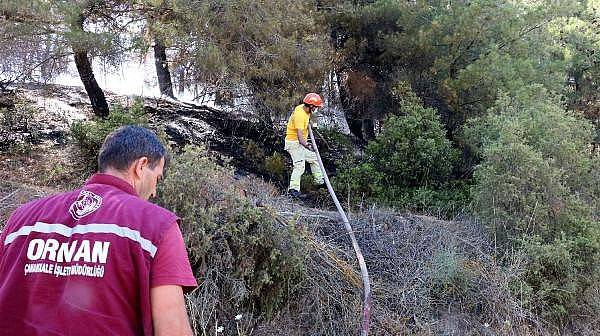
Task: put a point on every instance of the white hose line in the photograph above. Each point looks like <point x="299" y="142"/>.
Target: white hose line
<point x="361" y="261"/>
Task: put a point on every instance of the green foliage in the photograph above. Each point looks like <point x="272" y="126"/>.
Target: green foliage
<point x="254" y="154"/>
<point x="232" y="245"/>
<point x="581" y="49"/>
<point x="275" y="165"/>
<point x="447" y="201"/>
<point x="89" y="135"/>
<point x="478" y="84"/>
<point x="18" y="128"/>
<point x="333" y="145"/>
<point x="275" y="49"/>
<point x="533" y="178"/>
<point x="39" y="36"/>
<point x="456" y="55"/>
<point x="449" y="278"/>
<point x="358" y="179"/>
<point x="412" y="149"/>
<point x="533" y="189"/>
<point x="407" y="165"/>
<point x="491" y="67"/>
<point x="559" y="272"/>
<point x="581" y="46"/>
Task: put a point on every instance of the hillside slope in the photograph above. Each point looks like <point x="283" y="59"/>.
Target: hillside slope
<point x="268" y="265"/>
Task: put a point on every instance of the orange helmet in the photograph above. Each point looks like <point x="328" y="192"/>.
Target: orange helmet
<point x="313" y="99"/>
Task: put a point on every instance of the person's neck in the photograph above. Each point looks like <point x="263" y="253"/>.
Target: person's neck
<point x="120" y="174"/>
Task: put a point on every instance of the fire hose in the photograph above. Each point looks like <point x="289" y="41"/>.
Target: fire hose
<point x="364" y="331"/>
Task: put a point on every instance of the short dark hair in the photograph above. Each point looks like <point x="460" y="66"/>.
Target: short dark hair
<point x="128" y="143"/>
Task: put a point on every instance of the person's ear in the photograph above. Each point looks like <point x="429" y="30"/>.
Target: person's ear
<point x="139" y="165"/>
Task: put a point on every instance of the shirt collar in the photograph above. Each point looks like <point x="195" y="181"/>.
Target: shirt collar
<point x="111" y="180"/>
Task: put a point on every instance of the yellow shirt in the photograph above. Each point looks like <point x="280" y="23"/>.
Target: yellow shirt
<point x="298" y="120"/>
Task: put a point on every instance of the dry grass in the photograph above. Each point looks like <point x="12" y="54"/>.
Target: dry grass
<point x="429" y="277"/>
<point x="14" y="194"/>
<point x="44" y="171"/>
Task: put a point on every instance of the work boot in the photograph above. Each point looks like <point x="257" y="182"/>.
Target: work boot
<point x="294" y="193"/>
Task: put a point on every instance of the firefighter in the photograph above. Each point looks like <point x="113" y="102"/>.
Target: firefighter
<point x="297" y="145"/>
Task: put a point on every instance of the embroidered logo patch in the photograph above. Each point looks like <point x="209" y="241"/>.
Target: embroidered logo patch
<point x="86" y="203"/>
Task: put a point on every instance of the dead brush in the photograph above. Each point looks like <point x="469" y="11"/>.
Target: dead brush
<point x="283" y="269"/>
<point x="411" y="295"/>
<point x="244" y="261"/>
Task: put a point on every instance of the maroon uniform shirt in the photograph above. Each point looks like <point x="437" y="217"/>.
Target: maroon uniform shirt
<point x="83" y="262"/>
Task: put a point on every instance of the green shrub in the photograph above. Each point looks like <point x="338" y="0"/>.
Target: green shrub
<point x="535" y="176"/>
<point x="233" y="246"/>
<point x="447" y="201"/>
<point x="535" y="188"/>
<point x="254" y="154"/>
<point x="412" y="150"/>
<point x="449" y="279"/>
<point x="517" y="191"/>
<point x="359" y="180"/>
<point x="559" y="272"/>
<point x="333" y="145"/>
<point x="271" y="167"/>
<point x="276" y="167"/>
<point x="18" y="128"/>
<point x="90" y="135"/>
<point x="407" y="165"/>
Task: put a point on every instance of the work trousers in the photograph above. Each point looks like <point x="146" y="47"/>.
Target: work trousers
<point x="300" y="155"/>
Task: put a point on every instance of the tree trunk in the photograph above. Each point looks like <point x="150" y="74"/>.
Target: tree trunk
<point x="180" y="74"/>
<point x="354" y="126"/>
<point x="335" y="110"/>
<point x="368" y="129"/>
<point x="162" y="69"/>
<point x="86" y="73"/>
<point x="95" y="93"/>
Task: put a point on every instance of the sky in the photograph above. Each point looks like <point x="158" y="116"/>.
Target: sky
<point x="132" y="78"/>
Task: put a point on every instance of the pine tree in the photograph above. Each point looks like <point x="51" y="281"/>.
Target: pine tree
<point x="47" y="33"/>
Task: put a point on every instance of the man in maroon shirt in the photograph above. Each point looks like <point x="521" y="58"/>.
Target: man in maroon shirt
<point x="99" y="260"/>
